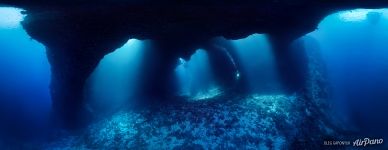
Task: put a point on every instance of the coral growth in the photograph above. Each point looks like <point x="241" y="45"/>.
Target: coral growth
<point x="264" y="121"/>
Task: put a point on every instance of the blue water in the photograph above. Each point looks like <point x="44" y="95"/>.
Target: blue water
<point x="257" y="61"/>
<point x="354" y="47"/>
<point x="115" y="80"/>
<point x="24" y="75"/>
<point x="195" y="76"/>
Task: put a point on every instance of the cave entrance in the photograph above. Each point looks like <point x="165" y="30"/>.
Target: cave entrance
<point x="25" y="101"/>
<point x="116" y="79"/>
<point x="353" y="45"/>
<point x="257" y="64"/>
<point x="250" y="62"/>
<point x="195" y="77"/>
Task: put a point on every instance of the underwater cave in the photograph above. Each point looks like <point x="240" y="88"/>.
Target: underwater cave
<point x="193" y="75"/>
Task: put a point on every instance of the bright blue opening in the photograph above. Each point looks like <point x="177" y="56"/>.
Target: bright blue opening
<point x="24" y="69"/>
<point x="116" y="78"/>
<point x="354" y="46"/>
<point x="257" y="63"/>
<point x="195" y="77"/>
<point x="10" y="17"/>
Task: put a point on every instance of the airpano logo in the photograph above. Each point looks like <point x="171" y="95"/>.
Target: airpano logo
<point x="366" y="141"/>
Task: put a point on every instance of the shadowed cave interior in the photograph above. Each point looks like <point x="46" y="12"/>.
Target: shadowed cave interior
<point x="133" y="75"/>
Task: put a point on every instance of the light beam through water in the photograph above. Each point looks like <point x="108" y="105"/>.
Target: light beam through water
<point x="195" y="77"/>
<point x="116" y="78"/>
<point x="257" y="62"/>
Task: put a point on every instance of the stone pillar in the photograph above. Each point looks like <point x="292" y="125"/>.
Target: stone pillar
<point x="291" y="61"/>
<point x="74" y="48"/>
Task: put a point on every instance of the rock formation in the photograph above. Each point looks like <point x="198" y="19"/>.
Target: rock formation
<point x="77" y="34"/>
